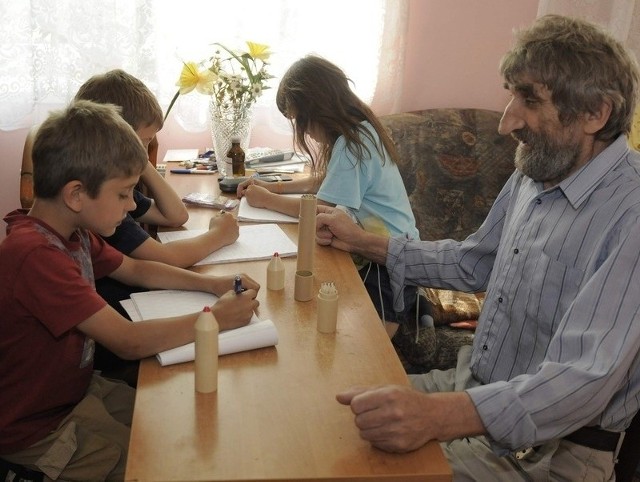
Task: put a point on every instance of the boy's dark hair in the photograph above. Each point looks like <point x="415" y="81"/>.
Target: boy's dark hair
<point x="314" y="93"/>
<point x="140" y="107"/>
<point x="581" y="65"/>
<point x="88" y="142"/>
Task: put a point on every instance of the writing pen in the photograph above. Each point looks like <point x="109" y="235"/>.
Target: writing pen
<point x="192" y="171"/>
<point x="237" y="285"/>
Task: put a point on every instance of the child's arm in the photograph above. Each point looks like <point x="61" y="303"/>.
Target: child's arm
<point x="156" y="275"/>
<point x="261" y="194"/>
<point x="223" y="230"/>
<point x="303" y="185"/>
<point x="146" y="338"/>
<point x="259" y="197"/>
<point x="167" y="209"/>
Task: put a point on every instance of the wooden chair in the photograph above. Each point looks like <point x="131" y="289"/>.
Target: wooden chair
<point x="26" y="172"/>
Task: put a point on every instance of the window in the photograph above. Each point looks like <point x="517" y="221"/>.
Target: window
<point x="50" y="47"/>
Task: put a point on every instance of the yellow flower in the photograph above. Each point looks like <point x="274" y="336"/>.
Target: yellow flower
<point x="230" y="77"/>
<point x="259" y="51"/>
<point x="192" y="78"/>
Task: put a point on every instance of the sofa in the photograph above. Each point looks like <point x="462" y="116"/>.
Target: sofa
<point x="453" y="163"/>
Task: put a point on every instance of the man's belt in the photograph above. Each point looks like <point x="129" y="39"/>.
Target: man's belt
<point x="595" y="438"/>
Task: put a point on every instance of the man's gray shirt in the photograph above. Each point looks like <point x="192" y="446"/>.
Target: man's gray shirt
<point x="558" y="340"/>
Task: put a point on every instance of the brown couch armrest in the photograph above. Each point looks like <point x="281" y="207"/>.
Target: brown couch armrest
<point x="453" y="306"/>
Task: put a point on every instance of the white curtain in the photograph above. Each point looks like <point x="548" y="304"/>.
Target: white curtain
<point x="620" y="17"/>
<point x="48" y="48"/>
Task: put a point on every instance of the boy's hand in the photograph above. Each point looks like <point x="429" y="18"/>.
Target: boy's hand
<point x="222" y="284"/>
<point x="225" y="227"/>
<point x="235" y="310"/>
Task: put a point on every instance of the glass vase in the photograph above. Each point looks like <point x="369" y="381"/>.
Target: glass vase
<point x="228" y="120"/>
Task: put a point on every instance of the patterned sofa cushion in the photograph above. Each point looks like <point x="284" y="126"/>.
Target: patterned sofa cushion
<point x="453" y="163"/>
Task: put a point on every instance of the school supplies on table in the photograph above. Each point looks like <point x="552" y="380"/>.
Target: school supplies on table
<point x="166" y="303"/>
<point x="193" y="170"/>
<point x="209" y="201"/>
<point x="264" y="157"/>
<point x="178" y="155"/>
<point x="248" y="213"/>
<point x="255" y="242"/>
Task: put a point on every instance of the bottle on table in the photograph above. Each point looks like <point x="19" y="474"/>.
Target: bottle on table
<point x="236" y="153"/>
<point x="206" y="344"/>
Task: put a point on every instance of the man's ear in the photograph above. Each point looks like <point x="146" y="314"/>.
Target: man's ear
<point x="594" y="121"/>
<point x="73" y="194"/>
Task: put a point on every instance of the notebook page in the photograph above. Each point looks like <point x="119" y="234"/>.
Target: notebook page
<point x="248" y="213"/>
<point x="167" y="303"/>
<point x="255" y="242"/>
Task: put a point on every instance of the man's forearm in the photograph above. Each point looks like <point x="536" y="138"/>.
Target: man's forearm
<point x="456" y="414"/>
<point x="372" y="246"/>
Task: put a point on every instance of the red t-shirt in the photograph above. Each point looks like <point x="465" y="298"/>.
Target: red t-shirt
<point x="46" y="290"/>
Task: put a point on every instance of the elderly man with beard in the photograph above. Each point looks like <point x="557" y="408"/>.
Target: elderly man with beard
<point x="553" y="377"/>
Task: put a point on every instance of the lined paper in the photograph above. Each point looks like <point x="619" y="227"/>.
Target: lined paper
<point x="255" y="242"/>
<point x="167" y="303"/>
<point x="248" y="213"/>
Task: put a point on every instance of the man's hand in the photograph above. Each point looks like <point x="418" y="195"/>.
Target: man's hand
<point x="335" y="228"/>
<point x="393" y="418"/>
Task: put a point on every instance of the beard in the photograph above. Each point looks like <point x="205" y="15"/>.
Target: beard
<point x="542" y="158"/>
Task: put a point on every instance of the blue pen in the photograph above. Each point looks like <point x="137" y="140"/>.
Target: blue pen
<point x="237" y="285"/>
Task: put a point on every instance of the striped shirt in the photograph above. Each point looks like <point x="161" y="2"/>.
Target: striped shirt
<point x="558" y="340"/>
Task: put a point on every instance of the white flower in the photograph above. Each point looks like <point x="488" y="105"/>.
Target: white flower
<point x="230" y="77"/>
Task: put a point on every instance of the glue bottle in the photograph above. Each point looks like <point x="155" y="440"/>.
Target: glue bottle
<point x="327" y="308"/>
<point x="206" y="364"/>
<point x="275" y="273"/>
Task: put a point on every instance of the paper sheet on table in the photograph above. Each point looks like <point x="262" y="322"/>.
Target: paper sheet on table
<point x="175" y="155"/>
<point x="262" y="215"/>
<point x="167" y="303"/>
<point x="258" y="241"/>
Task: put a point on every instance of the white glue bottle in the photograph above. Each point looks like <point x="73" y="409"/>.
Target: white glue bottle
<point x="327" y="308"/>
<point x="206" y="365"/>
<point x="275" y="273"/>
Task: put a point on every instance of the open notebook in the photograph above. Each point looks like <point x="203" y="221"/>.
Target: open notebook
<point x="166" y="303"/>
<point x="257" y="241"/>
<point x="248" y="213"/>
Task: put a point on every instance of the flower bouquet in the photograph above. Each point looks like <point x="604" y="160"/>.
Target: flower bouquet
<point x="234" y="80"/>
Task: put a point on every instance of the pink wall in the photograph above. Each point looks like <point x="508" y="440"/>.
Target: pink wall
<point x="454" y="49"/>
<point x="452" y="56"/>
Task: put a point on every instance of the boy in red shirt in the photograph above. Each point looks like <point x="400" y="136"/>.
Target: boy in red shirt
<point x="57" y="415"/>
